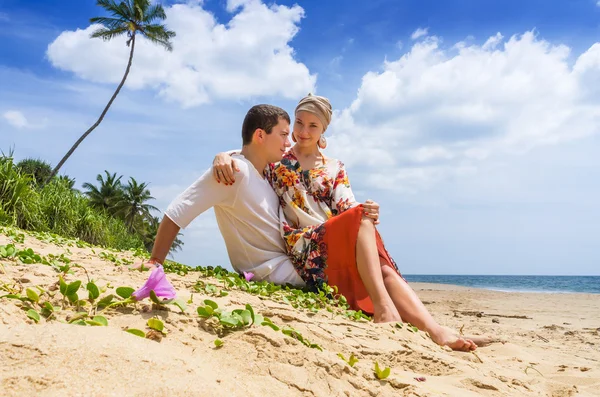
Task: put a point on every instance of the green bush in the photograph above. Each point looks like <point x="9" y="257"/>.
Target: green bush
<point x="59" y="209"/>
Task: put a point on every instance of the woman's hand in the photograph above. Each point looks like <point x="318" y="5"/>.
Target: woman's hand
<point x="371" y="210"/>
<point x="223" y="167"/>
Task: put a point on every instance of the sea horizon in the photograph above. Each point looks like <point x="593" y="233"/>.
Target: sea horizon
<point x="515" y="283"/>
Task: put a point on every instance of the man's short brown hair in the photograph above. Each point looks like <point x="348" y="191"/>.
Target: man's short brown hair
<point x="264" y="117"/>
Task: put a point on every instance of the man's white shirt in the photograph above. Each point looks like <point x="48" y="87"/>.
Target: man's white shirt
<point x="248" y="217"/>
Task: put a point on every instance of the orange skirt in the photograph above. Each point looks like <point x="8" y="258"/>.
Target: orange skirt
<point x="341" y="233"/>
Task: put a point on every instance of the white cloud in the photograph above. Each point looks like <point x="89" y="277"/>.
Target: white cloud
<point x="250" y="56"/>
<point x="16" y="119"/>
<point x="436" y="113"/>
<point x="420" y="32"/>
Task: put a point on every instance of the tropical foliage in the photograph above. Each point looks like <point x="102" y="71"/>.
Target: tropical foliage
<point x="108" y="214"/>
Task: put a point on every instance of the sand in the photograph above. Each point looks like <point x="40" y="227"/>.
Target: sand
<point x="551" y="344"/>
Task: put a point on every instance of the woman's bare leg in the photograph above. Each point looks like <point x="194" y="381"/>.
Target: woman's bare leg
<point x="413" y="311"/>
<point x="369" y="268"/>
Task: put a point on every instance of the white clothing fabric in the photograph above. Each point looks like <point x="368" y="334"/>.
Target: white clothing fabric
<point x="248" y="217"/>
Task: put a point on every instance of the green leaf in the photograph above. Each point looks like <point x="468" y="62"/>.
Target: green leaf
<point x="78" y="316"/>
<point x="218" y="343"/>
<point x="381" y="375"/>
<point x="352" y="360"/>
<point x="93" y="291"/>
<point x="101" y="319"/>
<point x="73" y="287"/>
<point x="156" y="324"/>
<point x="315" y="346"/>
<point x="125" y="292"/>
<point x="13" y="296"/>
<point x="270" y="324"/>
<point x="63" y="285"/>
<point x="230" y="321"/>
<point x="106" y="300"/>
<point x="211" y="303"/>
<point x="136" y="332"/>
<point x="73" y="297"/>
<point x="251" y="311"/>
<point x="32" y="295"/>
<point x="154" y="298"/>
<point x="32" y="314"/>
<point x="398" y="325"/>
<point x="180" y="304"/>
<point x="246" y="317"/>
<point x="202" y="312"/>
<point x="48" y="306"/>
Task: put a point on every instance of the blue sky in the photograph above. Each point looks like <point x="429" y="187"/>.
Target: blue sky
<point x="474" y="124"/>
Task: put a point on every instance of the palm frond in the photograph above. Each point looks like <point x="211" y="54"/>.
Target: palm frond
<point x="109" y="23"/>
<point x="108" y="34"/>
<point x="158" y="34"/>
<point x="113" y="8"/>
<point x="154" y="12"/>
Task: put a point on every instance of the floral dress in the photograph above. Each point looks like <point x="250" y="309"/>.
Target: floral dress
<point x="308" y="199"/>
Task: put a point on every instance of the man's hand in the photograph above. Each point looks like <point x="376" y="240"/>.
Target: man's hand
<point x="371" y="210"/>
<point x="223" y="167"/>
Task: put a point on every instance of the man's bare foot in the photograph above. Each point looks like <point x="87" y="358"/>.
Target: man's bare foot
<point x="386" y="315"/>
<point x="444" y="337"/>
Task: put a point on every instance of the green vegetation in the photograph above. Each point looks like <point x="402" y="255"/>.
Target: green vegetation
<point x="109" y="214"/>
<point x="381" y="374"/>
<point x="56" y="207"/>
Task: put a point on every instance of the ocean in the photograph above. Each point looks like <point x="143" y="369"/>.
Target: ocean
<point x="552" y="284"/>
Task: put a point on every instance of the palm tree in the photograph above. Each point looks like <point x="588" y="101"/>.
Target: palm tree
<point x="150" y="233"/>
<point x="107" y="193"/>
<point x="39" y="169"/>
<point x="131" y="17"/>
<point x="132" y="205"/>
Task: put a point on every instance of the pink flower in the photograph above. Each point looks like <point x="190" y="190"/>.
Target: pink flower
<point x="248" y="276"/>
<point x="158" y="283"/>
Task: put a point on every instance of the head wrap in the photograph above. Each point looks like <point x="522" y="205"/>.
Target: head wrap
<point x="317" y="105"/>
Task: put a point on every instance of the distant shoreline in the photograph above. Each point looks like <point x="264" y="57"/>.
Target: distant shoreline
<point x="430" y="286"/>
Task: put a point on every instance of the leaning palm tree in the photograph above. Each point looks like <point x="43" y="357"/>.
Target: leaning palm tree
<point x="132" y="206"/>
<point x="130" y="17"/>
<point x="107" y="193"/>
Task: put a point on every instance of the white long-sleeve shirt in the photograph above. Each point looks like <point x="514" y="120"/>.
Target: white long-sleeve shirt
<point x="248" y="217"/>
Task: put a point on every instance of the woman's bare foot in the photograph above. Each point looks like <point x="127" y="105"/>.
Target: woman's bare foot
<point x="444" y="337"/>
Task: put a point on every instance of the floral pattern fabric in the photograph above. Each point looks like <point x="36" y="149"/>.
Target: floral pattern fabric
<point x="308" y="199"/>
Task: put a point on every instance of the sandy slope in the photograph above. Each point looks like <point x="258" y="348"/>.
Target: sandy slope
<point x="559" y="338"/>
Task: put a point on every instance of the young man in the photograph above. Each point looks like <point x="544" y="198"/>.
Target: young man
<point x="248" y="211"/>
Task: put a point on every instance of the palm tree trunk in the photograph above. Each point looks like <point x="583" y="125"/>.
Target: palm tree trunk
<point x="97" y="123"/>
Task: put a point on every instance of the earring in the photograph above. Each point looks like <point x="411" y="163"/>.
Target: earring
<point x="322" y="142"/>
